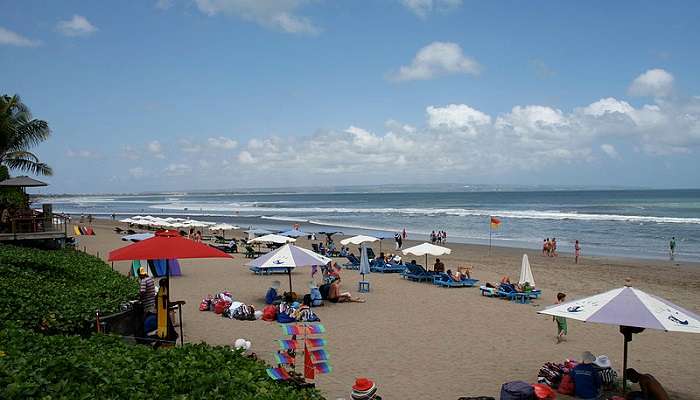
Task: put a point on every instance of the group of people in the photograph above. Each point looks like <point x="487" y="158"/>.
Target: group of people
<point x="549" y="247"/>
<point x="439" y="237"/>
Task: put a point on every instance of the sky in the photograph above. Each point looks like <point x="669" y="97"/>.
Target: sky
<point x="176" y="95"/>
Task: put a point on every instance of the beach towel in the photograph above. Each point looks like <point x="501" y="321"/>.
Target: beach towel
<point x="76" y="230"/>
<point x="135" y="266"/>
<point x="175" y="267"/>
<point x="160" y="267"/>
<point x="89" y="231"/>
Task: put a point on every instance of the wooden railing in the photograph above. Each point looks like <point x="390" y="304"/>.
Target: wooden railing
<point x="39" y="224"/>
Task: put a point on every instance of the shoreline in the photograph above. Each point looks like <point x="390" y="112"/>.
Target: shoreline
<point x="269" y="223"/>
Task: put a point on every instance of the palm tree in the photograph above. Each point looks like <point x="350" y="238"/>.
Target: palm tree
<point x="19" y="132"/>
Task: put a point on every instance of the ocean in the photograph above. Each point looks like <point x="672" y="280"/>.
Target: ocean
<point x="627" y="223"/>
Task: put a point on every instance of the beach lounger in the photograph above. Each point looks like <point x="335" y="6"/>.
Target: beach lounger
<point x="268" y="271"/>
<point x="354" y="262"/>
<point x="118" y="229"/>
<point x="249" y="252"/>
<point x="315" y="248"/>
<point x="416" y="273"/>
<point x="384" y="267"/>
<point x="220" y="239"/>
<point x="488" y="291"/>
<point x="370" y="253"/>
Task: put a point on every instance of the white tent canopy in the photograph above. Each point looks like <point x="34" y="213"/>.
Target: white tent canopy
<point x="359" y="239"/>
<point x="222" y="227"/>
<point x="272" y="238"/>
<point x="526" y="272"/>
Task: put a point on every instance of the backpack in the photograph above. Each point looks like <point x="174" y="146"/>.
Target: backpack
<point x="271" y="296"/>
<point x="543" y="392"/>
<point x="567" y="385"/>
<point x="221" y="306"/>
<point x="284" y="318"/>
<point x="269" y="313"/>
<point x="517" y="390"/>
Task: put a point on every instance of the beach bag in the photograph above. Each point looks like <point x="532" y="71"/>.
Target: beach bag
<point x="566" y="386"/>
<point x="307" y="315"/>
<point x="284" y="318"/>
<point x="543" y="392"/>
<point x="517" y="390"/>
<point x="244" y="313"/>
<point x="269" y="313"/>
<point x="221" y="306"/>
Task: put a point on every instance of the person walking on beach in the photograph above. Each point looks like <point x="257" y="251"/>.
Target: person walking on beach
<point x="561" y="321"/>
<point x="577" y="251"/>
<point x="403" y="235"/>
<point x="672" y="248"/>
<point x="553" y="247"/>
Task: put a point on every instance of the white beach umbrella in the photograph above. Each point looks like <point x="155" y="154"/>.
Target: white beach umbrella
<point x="289" y="256"/>
<point x="526" y="272"/>
<point x="223" y="227"/>
<point x="272" y="238"/>
<point x="364" y="261"/>
<point x="632" y="309"/>
<point x="425" y="249"/>
<point x="128" y="220"/>
<point x="359" y="239"/>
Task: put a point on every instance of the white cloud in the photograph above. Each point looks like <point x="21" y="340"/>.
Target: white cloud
<point x="654" y="82"/>
<point x="245" y="157"/>
<point x="457" y="118"/>
<point x="275" y="14"/>
<point x="81" y="153"/>
<point x="9" y="38"/>
<point x="76" y="26"/>
<point x="177" y="169"/>
<point x="164" y="4"/>
<point x="435" y="60"/>
<point x="424" y="7"/>
<point x="156" y="149"/>
<point x="610" y="151"/>
<point x="137" y="172"/>
<point x="222" y="142"/>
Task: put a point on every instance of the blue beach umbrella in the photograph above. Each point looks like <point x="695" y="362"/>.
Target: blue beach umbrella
<point x="295" y="233"/>
<point x="289" y="256"/>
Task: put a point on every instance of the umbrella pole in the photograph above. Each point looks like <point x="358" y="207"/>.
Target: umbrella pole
<point x="624" y="365"/>
<point x="289" y="272"/>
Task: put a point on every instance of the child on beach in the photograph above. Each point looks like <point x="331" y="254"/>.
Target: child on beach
<point x="561" y="321"/>
<point x="577" y="252"/>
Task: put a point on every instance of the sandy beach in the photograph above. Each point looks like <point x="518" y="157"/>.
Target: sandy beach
<point x="417" y="340"/>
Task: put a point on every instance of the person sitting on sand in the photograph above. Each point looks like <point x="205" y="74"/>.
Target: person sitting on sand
<point x="438" y="266"/>
<point x="364" y="389"/>
<point x="650" y="388"/>
<point x="272" y="297"/>
<point x="587" y="381"/>
<point x="336" y="296"/>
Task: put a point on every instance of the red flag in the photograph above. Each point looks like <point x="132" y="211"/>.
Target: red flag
<point x="495" y="222"/>
<point x="309" y="371"/>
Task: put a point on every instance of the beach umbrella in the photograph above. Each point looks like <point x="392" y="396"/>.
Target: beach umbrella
<point x="526" y="272"/>
<point x="295" y="233"/>
<point x="630" y="308"/>
<point x="272" y="238"/>
<point x="137" y="237"/>
<point x="128" y="220"/>
<point x="252" y="233"/>
<point x="364" y="262"/>
<point x="359" y="239"/>
<point x="289" y="256"/>
<point x="427" y="249"/>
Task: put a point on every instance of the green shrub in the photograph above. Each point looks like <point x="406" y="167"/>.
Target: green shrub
<point x="58" y="291"/>
<point x="103" y="367"/>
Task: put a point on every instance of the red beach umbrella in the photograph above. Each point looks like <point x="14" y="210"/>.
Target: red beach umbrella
<point x="166" y="245"/>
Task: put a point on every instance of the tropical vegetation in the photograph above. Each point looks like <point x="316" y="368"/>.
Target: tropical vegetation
<point x="19" y="133"/>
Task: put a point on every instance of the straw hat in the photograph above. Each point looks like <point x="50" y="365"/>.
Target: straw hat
<point x="602" y="361"/>
<point x="275" y="284"/>
<point x="363" y="389"/>
<point x="587" y="357"/>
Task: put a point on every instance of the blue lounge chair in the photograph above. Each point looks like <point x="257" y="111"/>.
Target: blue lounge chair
<point x="446" y="280"/>
<point x="415" y="272"/>
<point x="268" y="271"/>
<point x="354" y="262"/>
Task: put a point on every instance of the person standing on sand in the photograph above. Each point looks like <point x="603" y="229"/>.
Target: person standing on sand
<point x="672" y="248"/>
<point x="404" y="234"/>
<point x="561" y="321"/>
<point x="577" y="252"/>
<point x="554" y="247"/>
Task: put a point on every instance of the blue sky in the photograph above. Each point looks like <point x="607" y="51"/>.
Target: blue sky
<point x="224" y="94"/>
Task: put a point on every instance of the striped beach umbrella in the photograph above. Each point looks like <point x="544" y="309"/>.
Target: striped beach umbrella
<point x="630" y="308"/>
<point x="289" y="256"/>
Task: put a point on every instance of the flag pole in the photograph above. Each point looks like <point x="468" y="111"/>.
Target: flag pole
<point x="490" y="230"/>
